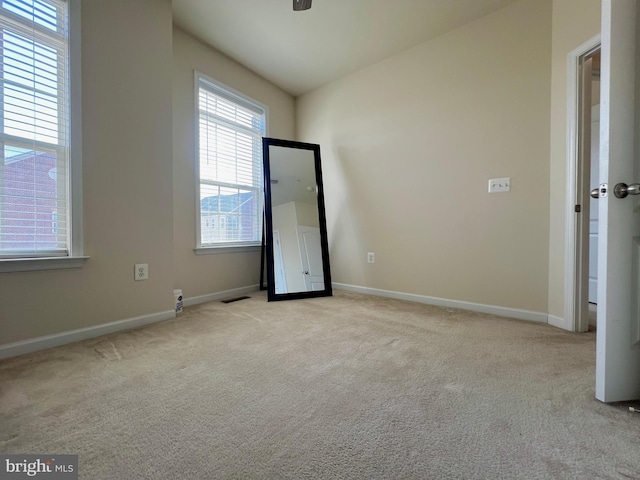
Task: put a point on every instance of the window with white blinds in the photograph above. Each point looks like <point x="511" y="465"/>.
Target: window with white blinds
<point x="231" y="189"/>
<point x="34" y="137"/>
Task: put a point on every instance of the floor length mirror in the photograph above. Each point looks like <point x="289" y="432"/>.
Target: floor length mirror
<point x="297" y="252"/>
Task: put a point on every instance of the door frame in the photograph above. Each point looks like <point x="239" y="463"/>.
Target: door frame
<point x="576" y="245"/>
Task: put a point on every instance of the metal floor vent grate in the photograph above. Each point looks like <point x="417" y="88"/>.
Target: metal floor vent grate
<point x="234" y="299"/>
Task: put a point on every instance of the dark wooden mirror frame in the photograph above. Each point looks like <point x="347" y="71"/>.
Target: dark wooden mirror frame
<point x="322" y="222"/>
<point x="263" y="253"/>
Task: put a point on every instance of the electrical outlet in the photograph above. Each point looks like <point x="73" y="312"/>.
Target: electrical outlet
<point x="141" y="271"/>
<point x="500" y="185"/>
<point x="371" y="257"/>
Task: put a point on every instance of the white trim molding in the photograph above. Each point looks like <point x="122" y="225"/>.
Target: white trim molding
<point x="571" y="221"/>
<point x="560" y="323"/>
<point x="40" y="263"/>
<point x="443" y="302"/>
<point x="212" y="297"/>
<point x="219" y="88"/>
<point x="57" y="339"/>
<point x="63" y="338"/>
<point x="235" y="249"/>
<point x="75" y="115"/>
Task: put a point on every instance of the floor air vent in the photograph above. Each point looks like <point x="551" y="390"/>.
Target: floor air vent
<point x="234" y="299"/>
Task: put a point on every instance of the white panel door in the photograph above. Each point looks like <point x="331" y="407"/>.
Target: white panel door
<point x="311" y="257"/>
<point x="279" y="274"/>
<point x="618" y="332"/>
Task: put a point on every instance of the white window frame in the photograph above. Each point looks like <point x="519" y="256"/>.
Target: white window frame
<point x="75" y="259"/>
<point x="238" y="247"/>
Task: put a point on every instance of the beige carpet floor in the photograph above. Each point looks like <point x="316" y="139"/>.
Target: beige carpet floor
<point x="348" y="387"/>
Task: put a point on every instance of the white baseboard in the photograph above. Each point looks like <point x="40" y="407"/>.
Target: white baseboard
<point x="211" y="297"/>
<point x="560" y="323"/>
<point x="443" y="302"/>
<point x="49" y="341"/>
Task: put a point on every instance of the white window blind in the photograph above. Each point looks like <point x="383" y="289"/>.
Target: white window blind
<point x="34" y="105"/>
<point x="231" y="195"/>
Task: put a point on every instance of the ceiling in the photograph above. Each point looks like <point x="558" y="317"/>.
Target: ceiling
<point x="293" y="175"/>
<point x="300" y="51"/>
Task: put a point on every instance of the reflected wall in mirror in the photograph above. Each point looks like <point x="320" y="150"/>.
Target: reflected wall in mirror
<point x="296" y="229"/>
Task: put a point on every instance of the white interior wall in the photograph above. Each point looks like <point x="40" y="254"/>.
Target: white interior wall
<point x="201" y="275"/>
<point x="138" y="181"/>
<point x="307" y="214"/>
<point x="574" y="23"/>
<point x="408" y="147"/>
<point x="485" y="83"/>
<point x="127" y="181"/>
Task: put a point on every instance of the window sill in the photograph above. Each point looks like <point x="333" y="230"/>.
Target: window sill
<point x="42" y="263"/>
<point x="234" y="249"/>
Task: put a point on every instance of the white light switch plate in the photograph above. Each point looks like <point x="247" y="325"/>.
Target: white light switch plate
<point x="500" y="185"/>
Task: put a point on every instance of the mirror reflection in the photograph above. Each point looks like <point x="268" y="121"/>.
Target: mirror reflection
<point x="297" y="254"/>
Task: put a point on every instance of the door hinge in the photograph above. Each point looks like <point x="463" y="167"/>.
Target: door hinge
<point x="578" y="209"/>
